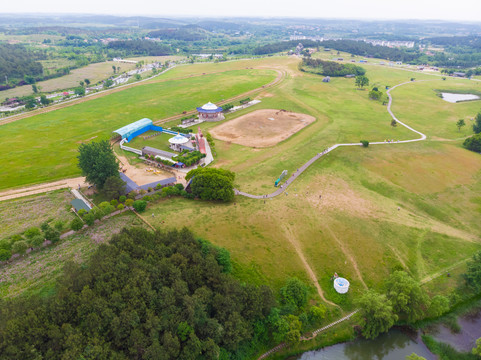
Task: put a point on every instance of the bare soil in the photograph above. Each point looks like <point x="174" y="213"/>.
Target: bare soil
<point x="262" y="128"/>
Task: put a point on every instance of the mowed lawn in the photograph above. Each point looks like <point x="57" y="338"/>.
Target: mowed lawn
<point x="44" y="147"/>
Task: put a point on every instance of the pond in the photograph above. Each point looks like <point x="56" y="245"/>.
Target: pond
<point x="465" y="340"/>
<point x="394" y="345"/>
<point x="454" y="98"/>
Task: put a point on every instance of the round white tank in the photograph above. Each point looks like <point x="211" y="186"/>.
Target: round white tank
<point x="341" y="285"/>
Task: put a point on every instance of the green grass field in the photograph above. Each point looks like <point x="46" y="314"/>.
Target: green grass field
<point x="414" y="206"/>
<point x="42" y="148"/>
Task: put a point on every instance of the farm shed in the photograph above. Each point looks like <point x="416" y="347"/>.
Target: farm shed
<point x="79" y="204"/>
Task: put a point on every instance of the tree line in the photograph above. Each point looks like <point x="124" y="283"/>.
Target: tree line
<point x="140" y="47"/>
<point x="329" y="68"/>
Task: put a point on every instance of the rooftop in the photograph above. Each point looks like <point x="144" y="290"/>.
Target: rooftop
<point x="129" y="129"/>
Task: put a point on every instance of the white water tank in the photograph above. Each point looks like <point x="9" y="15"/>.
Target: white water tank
<point x="341" y="285"/>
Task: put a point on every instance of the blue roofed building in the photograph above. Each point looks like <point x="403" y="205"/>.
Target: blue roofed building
<point x="210" y="112"/>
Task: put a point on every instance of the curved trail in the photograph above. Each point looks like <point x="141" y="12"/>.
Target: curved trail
<point x="300" y="170"/>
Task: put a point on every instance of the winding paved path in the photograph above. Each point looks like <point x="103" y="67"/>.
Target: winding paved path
<point x="300" y="170"/>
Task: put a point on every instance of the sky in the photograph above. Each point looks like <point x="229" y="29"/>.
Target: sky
<point x="459" y="10"/>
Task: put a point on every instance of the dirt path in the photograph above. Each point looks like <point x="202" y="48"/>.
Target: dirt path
<point x="348" y="253"/>
<point x="295" y="244"/>
<point x="398" y="256"/>
<point x="42" y="188"/>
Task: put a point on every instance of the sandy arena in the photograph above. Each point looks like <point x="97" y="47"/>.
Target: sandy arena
<point x="262" y="128"/>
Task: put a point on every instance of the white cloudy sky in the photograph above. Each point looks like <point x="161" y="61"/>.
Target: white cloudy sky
<point x="469" y="10"/>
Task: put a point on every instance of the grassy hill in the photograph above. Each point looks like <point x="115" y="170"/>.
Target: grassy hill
<point x="414" y="206"/>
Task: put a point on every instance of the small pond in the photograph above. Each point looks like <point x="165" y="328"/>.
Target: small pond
<point x="454" y="98"/>
<point x="394" y="345"/>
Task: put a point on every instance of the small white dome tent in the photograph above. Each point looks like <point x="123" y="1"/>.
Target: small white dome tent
<point x="341" y="285"/>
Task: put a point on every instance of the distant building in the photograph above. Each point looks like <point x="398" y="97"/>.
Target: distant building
<point x="326" y="79"/>
<point x="350" y="75"/>
<point x="459" y="74"/>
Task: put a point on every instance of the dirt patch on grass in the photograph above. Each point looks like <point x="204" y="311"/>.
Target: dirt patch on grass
<point x="262" y="128"/>
<point x="139" y="173"/>
<point x="337" y="195"/>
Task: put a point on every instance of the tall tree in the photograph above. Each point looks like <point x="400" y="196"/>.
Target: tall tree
<point x="361" y="81"/>
<point x="409" y="300"/>
<point x="97" y="162"/>
<point x="114" y="187"/>
<point x="473" y="273"/>
<point x="377" y="315"/>
<point x="460" y="123"/>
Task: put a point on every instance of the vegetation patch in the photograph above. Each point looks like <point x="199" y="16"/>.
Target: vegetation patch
<point x="329" y="68"/>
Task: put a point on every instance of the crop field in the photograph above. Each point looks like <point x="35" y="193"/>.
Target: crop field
<point x="360" y="212"/>
<point x="18" y="215"/>
<point x="43" y="147"/>
<point x="38" y="271"/>
<point x="93" y="72"/>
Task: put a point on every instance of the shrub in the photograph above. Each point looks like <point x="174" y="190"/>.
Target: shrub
<point x="32" y="232"/>
<point x="179" y="186"/>
<point x="365" y="143"/>
<point x="132" y="195"/>
<point x="122" y="198"/>
<point x="129" y="202"/>
<point x="120" y="206"/>
<point x="150" y="189"/>
<point x="19" y="247"/>
<point x="158" y="186"/>
<point x="52" y="235"/>
<point x="97" y="213"/>
<point x="58" y="225"/>
<point x="108" y="210"/>
<point x="473" y="143"/>
<point x="142" y="192"/>
<point x="5" y="244"/>
<point x="76" y="224"/>
<point x="81" y="212"/>
<point x="89" y="219"/>
<point x="36" y="241"/>
<point x="104" y="204"/>
<point x="139" y="205"/>
<point x="5" y="254"/>
<point x="114" y="202"/>
<point x="44" y="226"/>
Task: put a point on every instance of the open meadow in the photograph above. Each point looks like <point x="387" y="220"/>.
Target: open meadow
<point x="360" y="212"/>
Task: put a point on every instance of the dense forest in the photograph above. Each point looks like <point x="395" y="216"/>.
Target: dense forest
<point x="140" y="47"/>
<point x="16" y="62"/>
<point x="162" y="295"/>
<point x="329" y="68"/>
